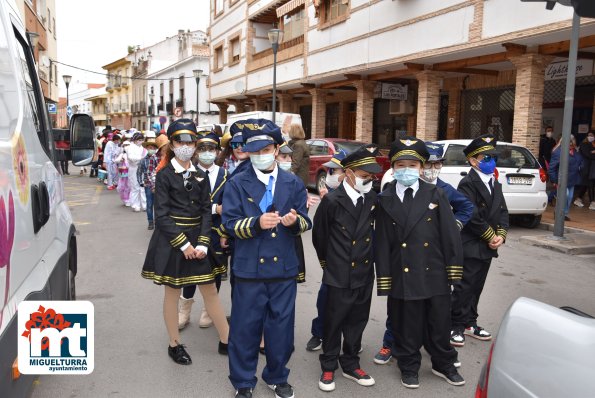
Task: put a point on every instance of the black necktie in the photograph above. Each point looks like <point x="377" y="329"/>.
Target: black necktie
<point x="408" y="199"/>
<point x="491" y="184"/>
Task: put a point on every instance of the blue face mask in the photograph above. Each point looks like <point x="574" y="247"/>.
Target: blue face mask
<point x="487" y="167"/>
<point x="406" y="176"/>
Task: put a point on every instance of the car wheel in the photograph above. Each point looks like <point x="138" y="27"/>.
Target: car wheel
<point x="530" y="221"/>
<point x="320" y="182"/>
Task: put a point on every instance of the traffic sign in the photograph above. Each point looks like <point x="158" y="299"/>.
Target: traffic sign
<point x="162" y="119"/>
<point x="52" y="108"/>
<point x="69" y="111"/>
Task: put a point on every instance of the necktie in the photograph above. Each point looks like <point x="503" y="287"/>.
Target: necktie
<point x="359" y="205"/>
<point x="408" y="199"/>
<point x="491" y="184"/>
<point x="267" y="198"/>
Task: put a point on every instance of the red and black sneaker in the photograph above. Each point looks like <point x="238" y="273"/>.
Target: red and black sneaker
<point x="327" y="381"/>
<point x="360" y="377"/>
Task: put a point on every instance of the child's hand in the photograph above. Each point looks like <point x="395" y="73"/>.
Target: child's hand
<point x="289" y="219"/>
<point x="224" y="242"/>
<point x="269" y="220"/>
<point x="190" y="253"/>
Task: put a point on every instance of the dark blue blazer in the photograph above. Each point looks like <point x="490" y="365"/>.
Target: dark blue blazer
<point x="461" y="206"/>
<point x="264" y="254"/>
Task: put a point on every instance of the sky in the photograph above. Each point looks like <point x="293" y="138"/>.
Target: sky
<point x="91" y="34"/>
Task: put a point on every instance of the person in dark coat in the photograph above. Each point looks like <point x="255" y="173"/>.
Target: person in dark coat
<point x="462" y="209"/>
<point x="482" y="236"/>
<point x="575" y="162"/>
<point x="342" y="234"/>
<point x="177" y="253"/>
<point x="300" y="159"/>
<point x="587" y="151"/>
<point x="546" y="145"/>
<point x="418" y="255"/>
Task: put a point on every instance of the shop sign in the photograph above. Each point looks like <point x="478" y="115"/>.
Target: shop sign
<point x="394" y="91"/>
<point x="559" y="70"/>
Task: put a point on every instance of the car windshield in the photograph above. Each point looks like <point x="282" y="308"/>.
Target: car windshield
<point x="509" y="156"/>
<point x="347" y="146"/>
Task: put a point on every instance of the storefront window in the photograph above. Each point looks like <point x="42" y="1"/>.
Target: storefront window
<point x="387" y="127"/>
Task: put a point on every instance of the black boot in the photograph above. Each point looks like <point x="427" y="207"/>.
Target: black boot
<point x="179" y="355"/>
<point x="222" y="348"/>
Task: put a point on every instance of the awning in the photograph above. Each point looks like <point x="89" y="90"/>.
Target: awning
<point x="288" y="7"/>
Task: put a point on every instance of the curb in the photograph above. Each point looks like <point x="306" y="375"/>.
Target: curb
<point x="567" y="230"/>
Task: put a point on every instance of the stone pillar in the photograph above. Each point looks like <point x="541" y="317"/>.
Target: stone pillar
<point x="259" y="104"/>
<point x="285" y="103"/>
<point x="222" y="111"/>
<point x="364" y="119"/>
<point x="428" y="105"/>
<point x="528" y="99"/>
<point x="238" y="105"/>
<point x="454" y="87"/>
<point x="318" y="112"/>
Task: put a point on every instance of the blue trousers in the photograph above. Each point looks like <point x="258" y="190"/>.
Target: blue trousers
<point x="318" y="322"/>
<point x="149" y="194"/>
<point x="257" y="307"/>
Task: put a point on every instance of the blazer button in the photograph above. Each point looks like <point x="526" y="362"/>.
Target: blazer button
<point x="429" y="219"/>
<point x="262" y="260"/>
<point x="352" y="265"/>
<point x="366" y="262"/>
<point x="404" y="245"/>
<point x="426" y="244"/>
<point x="367" y="239"/>
<point x="427" y="268"/>
<point x="406" y="269"/>
<point x="353" y="243"/>
<point x="274" y="235"/>
<point x="275" y="259"/>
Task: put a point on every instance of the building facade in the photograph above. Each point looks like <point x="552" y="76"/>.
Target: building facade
<point x="374" y="70"/>
<point x="98" y="109"/>
<point x="119" y="113"/>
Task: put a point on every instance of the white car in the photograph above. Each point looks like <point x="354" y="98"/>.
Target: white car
<point x="522" y="178"/>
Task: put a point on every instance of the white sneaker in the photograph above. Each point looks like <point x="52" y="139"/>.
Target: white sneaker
<point x="592" y="206"/>
<point x="578" y="203"/>
<point x="205" y="320"/>
<point x="136" y="209"/>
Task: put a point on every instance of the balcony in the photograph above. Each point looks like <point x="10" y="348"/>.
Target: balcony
<point x="180" y="103"/>
<point x="169" y="108"/>
<point x="287" y="50"/>
<point x="124" y="82"/>
<point x="124" y="108"/>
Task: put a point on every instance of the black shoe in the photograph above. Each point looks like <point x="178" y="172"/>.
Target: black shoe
<point x="314" y="344"/>
<point x="222" y="348"/>
<point x="151" y="225"/>
<point x="244" y="393"/>
<point x="179" y="355"/>
<point x="410" y="380"/>
<point x="566" y="218"/>
<point x="261" y="350"/>
<point x="452" y="377"/>
<point x="283" y="390"/>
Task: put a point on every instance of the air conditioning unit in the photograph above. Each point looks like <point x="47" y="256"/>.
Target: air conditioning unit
<point x="397" y="107"/>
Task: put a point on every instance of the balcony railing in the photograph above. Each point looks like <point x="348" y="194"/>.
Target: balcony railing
<point x="180" y="103"/>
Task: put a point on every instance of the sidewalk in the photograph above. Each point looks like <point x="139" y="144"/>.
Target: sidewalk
<point x="581" y="218"/>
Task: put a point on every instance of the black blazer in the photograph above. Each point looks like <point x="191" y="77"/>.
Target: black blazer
<point x="417" y="252"/>
<point x="343" y="239"/>
<point x="490" y="216"/>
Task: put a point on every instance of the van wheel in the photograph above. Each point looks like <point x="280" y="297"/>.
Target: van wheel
<point x="530" y="221"/>
<point x="320" y="182"/>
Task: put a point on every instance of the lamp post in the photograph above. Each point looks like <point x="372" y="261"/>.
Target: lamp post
<point x="197" y="75"/>
<point x="67" y="79"/>
<point x="275" y="37"/>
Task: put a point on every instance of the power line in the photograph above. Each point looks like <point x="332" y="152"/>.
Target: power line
<point x="110" y="75"/>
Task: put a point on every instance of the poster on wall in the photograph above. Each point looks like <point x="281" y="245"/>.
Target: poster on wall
<point x="559" y="70"/>
<point x="394" y="91"/>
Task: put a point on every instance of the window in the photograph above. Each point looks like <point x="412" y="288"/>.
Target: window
<point x="234" y="50"/>
<point x="293" y="24"/>
<point x="334" y="11"/>
<point x="317" y="148"/>
<point x="219" y="58"/>
<point x="218" y="6"/>
<point x="9" y="100"/>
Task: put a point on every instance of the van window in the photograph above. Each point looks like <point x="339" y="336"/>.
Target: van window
<point x="9" y="99"/>
<point x="34" y="96"/>
<point x="454" y="156"/>
<point x="508" y="156"/>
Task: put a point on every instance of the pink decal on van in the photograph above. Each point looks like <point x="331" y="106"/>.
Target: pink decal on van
<point x="6" y="243"/>
<point x="21" y="169"/>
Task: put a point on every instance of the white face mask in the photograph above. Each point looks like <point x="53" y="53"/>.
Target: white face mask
<point x="207" y="157"/>
<point x="590" y="138"/>
<point x="332" y="180"/>
<point x="359" y="185"/>
<point x="284" y="165"/>
<point x="262" y="162"/>
<point x="548" y="134"/>
<point x="184" y="153"/>
<point x="430" y="175"/>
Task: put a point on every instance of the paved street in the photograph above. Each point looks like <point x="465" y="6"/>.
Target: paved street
<point x="131" y="340"/>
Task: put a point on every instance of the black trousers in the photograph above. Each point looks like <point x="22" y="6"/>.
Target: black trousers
<point x="417" y="323"/>
<point x="466" y="293"/>
<point x="346" y="313"/>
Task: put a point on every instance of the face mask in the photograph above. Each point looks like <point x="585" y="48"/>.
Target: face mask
<point x="590" y="138"/>
<point x="487" y="167"/>
<point x="262" y="162"/>
<point x="284" y="165"/>
<point x="184" y="153"/>
<point x="430" y="175"/>
<point x="332" y="180"/>
<point x="548" y="134"/>
<point x="152" y="152"/>
<point x="361" y="185"/>
<point x="207" y="157"/>
<point x="406" y="176"/>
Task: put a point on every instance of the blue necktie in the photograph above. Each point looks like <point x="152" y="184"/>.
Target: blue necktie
<point x="267" y="198"/>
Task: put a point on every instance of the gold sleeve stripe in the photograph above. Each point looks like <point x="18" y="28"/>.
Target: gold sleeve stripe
<point x="243" y="227"/>
<point x="488" y="234"/>
<point x="237" y="229"/>
<point x="247" y="230"/>
<point x="178" y="240"/>
<point x="322" y="263"/>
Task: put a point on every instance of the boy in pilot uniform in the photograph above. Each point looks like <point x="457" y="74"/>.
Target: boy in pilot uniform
<point x="482" y="236"/>
<point x="264" y="209"/>
<point x="342" y="234"/>
<point x="418" y="254"/>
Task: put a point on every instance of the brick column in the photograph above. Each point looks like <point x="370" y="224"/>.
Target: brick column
<point x="318" y="112"/>
<point x="528" y="99"/>
<point x="285" y="103"/>
<point x="259" y="104"/>
<point x="364" y="119"/>
<point x="222" y="111"/>
<point x="239" y="105"/>
<point x="454" y="87"/>
<point x="428" y="105"/>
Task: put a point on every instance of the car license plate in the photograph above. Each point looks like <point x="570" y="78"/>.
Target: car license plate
<point x="520" y="180"/>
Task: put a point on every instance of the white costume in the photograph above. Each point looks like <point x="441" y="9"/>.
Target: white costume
<point x="137" y="200"/>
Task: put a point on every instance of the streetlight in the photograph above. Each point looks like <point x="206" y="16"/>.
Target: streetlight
<point x="197" y="75"/>
<point x="67" y="79"/>
<point x="151" y="97"/>
<point x="275" y="37"/>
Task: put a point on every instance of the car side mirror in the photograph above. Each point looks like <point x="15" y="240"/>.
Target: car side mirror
<point x="82" y="139"/>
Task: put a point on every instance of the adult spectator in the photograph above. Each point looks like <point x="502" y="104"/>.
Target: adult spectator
<point x="300" y="162"/>
<point x="546" y="145"/>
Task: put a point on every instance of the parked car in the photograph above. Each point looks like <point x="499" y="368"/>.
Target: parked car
<point x="323" y="149"/>
<point x="540" y="351"/>
<point x="522" y="178"/>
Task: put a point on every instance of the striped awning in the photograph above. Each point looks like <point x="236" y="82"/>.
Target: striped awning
<point x="288" y="7"/>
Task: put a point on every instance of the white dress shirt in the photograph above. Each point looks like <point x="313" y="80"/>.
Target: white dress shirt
<point x="264" y="177"/>
<point x="486" y="178"/>
<point x="352" y="193"/>
<point x="213" y="173"/>
<point x="402" y="188"/>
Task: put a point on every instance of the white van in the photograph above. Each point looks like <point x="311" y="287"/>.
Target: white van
<point x="38" y="254"/>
